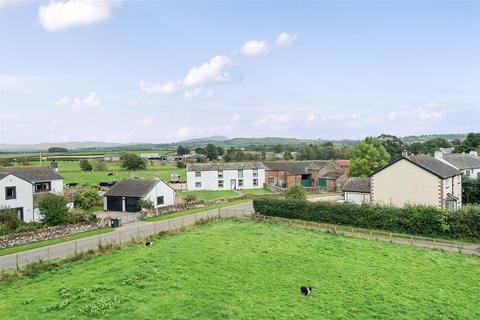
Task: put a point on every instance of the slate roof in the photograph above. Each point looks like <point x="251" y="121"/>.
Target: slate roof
<point x="463" y="161"/>
<point x="428" y="163"/>
<point x="343" y="163"/>
<point x="357" y="185"/>
<point x="215" y="166"/>
<point x="134" y="187"/>
<point x="296" y="167"/>
<point x="33" y="174"/>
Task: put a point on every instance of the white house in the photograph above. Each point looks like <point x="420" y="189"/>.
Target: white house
<point x="418" y="179"/>
<point x="357" y="190"/>
<point x="468" y="163"/>
<point x="21" y="186"/>
<point x="225" y="176"/>
<point x="124" y="195"/>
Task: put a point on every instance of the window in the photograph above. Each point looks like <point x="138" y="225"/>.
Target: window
<point x="160" y="200"/>
<point x="198" y="184"/>
<point x="467" y="173"/>
<point x="271" y="180"/>
<point x="10" y="193"/>
<point x="255" y="172"/>
<point x="240" y="173"/>
<point x="240" y="183"/>
<point x="220" y="174"/>
<point x="255" y="182"/>
<point x="220" y="183"/>
<point x="42" y="186"/>
<point x="198" y="174"/>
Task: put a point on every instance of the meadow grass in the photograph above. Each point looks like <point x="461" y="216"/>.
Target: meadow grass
<point x="211" y="195"/>
<point x="44" y="243"/>
<point x="70" y="170"/>
<point x="195" y="210"/>
<point x="227" y="269"/>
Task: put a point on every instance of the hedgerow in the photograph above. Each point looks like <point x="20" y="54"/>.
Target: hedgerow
<point x="413" y="219"/>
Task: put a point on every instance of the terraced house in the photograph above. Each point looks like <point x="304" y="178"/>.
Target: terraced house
<point x="20" y="188"/>
<point x="225" y="176"/>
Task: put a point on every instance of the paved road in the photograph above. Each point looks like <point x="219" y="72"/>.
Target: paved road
<point x="326" y="197"/>
<point x="120" y="235"/>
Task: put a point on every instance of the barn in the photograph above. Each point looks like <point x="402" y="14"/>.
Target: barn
<point x="125" y="194"/>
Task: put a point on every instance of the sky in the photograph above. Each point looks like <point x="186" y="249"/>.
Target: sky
<point x="164" y="71"/>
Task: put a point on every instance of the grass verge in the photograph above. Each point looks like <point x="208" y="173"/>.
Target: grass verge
<point x="194" y="210"/>
<point x="211" y="195"/>
<point x="43" y="243"/>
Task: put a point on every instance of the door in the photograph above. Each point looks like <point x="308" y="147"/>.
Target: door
<point x="322" y="183"/>
<point x="114" y="203"/>
<point x="131" y="204"/>
<point x="233" y="184"/>
<point x="20" y="213"/>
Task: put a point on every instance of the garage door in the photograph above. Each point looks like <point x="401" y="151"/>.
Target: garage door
<point x="114" y="203"/>
<point x="131" y="204"/>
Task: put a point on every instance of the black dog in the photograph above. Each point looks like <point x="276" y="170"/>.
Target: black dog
<point x="149" y="243"/>
<point x="305" y="290"/>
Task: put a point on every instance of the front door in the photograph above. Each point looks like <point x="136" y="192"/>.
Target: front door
<point x="114" y="203"/>
<point x="233" y="184"/>
<point x="19" y="213"/>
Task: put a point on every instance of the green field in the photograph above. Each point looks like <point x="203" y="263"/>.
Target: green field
<point x="247" y="270"/>
<point x="43" y="243"/>
<point x="255" y="191"/>
<point x="211" y="195"/>
<point x="70" y="170"/>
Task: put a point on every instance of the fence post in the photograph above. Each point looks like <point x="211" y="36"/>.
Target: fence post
<point x="411" y="240"/>
<point x="16" y="261"/>
<point x="390" y="237"/>
<point x="48" y="253"/>
<point x="334" y="229"/>
<point x="218" y="210"/>
<point x="138" y="230"/>
<point x="119" y="238"/>
<point x="370" y="234"/>
<point x="183" y="222"/>
<point x="458" y="244"/>
<point x="434" y="243"/>
<point x="154" y="228"/>
<point x="168" y="224"/>
<point x="99" y="241"/>
<point x="76" y="247"/>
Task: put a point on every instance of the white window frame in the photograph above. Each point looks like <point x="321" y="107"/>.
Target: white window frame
<point x="198" y="174"/>
<point x="220" y="184"/>
<point x="255" y="172"/>
<point x="240" y="173"/>
<point x="240" y="183"/>
<point x="198" y="184"/>
<point x="220" y="174"/>
<point x="255" y="182"/>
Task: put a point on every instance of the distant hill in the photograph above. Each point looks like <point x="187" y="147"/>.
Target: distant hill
<point x="422" y="138"/>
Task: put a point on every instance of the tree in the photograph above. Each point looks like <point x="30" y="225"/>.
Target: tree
<point x="220" y="151"/>
<point x="85" y="165"/>
<point x="471" y="142"/>
<point x="471" y="190"/>
<point x="278" y="148"/>
<point x="211" y="151"/>
<point x="99" y="165"/>
<point x="9" y="219"/>
<point x="415" y="148"/>
<point x="131" y="161"/>
<point x="181" y="150"/>
<point x="86" y="200"/>
<point x="181" y="164"/>
<point x="392" y="144"/>
<point x="57" y="149"/>
<point x="295" y="192"/>
<point x="368" y="156"/>
<point x="200" y="150"/>
<point x="287" y="155"/>
<point x="53" y="210"/>
<point x="432" y="145"/>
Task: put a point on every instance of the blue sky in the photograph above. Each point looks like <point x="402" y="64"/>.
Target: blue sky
<point x="161" y="71"/>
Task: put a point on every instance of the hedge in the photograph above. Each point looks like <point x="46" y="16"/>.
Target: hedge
<point x="418" y="220"/>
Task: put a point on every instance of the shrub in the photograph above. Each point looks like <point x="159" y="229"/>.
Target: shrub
<point x="81" y="216"/>
<point x="146" y="204"/>
<point x="190" y="197"/>
<point x="131" y="161"/>
<point x="181" y="164"/>
<point x="85" y="165"/>
<point x="295" y="192"/>
<point x="420" y="220"/>
<point x="86" y="200"/>
<point x="471" y="190"/>
<point x="9" y="220"/>
<point x="53" y="210"/>
<point x="99" y="165"/>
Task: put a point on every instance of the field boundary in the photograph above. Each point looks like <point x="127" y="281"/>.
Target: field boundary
<point x="423" y="242"/>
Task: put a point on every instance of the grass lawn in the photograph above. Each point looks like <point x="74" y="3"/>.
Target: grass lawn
<point x="247" y="270"/>
<point x="194" y="210"/>
<point x="255" y="191"/>
<point x="70" y="170"/>
<point x="212" y="195"/>
<point x="43" y="243"/>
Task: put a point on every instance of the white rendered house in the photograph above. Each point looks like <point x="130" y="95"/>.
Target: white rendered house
<point x="225" y="176"/>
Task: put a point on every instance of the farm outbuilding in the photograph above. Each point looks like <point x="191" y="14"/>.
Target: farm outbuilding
<point x="125" y="195"/>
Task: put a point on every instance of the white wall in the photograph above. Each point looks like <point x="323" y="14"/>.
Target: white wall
<point x="402" y="183"/>
<point x="162" y="189"/>
<point x="57" y="186"/>
<point x="24" y="196"/>
<point x="357" y="197"/>
<point x="474" y="173"/>
<point x="209" y="179"/>
<point x="453" y="186"/>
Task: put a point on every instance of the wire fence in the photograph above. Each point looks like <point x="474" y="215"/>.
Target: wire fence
<point x="117" y="237"/>
<point x="424" y="242"/>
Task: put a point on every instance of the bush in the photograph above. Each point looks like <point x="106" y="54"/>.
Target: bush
<point x="86" y="200"/>
<point x="190" y="197"/>
<point x="131" y="161"/>
<point x="420" y="220"/>
<point x="471" y="190"/>
<point x="295" y="192"/>
<point x="181" y="164"/>
<point x="9" y="220"/>
<point x="146" y="204"/>
<point x="85" y="165"/>
<point x="53" y="210"/>
<point x="81" y="216"/>
<point x="99" y="165"/>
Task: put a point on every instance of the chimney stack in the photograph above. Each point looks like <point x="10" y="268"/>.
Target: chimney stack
<point x="475" y="153"/>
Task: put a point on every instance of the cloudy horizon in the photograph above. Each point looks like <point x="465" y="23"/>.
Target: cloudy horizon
<point x="159" y="72"/>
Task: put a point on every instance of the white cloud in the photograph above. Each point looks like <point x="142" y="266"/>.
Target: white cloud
<point x="285" y="39"/>
<point x="310" y="117"/>
<point x="166" y="88"/>
<point x="190" y="94"/>
<point x="427" y="111"/>
<point x="78" y="104"/>
<point x="213" y="71"/>
<point x="274" y="121"/>
<point x="147" y="121"/>
<point x="254" y="48"/>
<point x="57" y="15"/>
<point x="236" y="118"/>
<point x="13" y="2"/>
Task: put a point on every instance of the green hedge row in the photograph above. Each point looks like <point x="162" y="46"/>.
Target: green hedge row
<point x="418" y="220"/>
